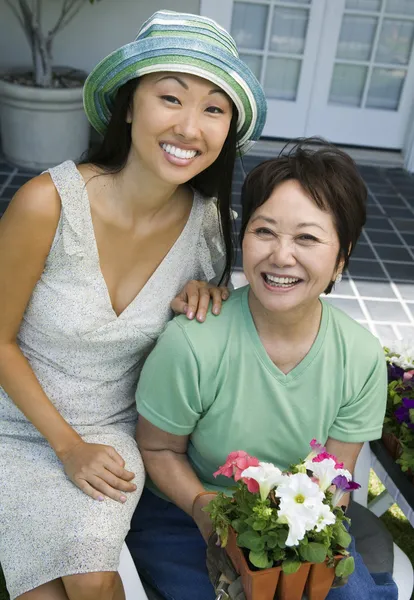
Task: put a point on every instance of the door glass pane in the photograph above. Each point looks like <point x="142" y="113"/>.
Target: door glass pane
<point x="385" y="88"/>
<point x="395" y="42"/>
<point x="254" y="62"/>
<point x="347" y="85"/>
<point x="374" y="5"/>
<point x="248" y="26"/>
<point x="289" y="30"/>
<point x="356" y="38"/>
<point x="402" y="7"/>
<point x="282" y="78"/>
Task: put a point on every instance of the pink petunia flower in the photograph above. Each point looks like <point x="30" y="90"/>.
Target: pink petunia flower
<point x="235" y="464"/>
<point x="408" y="375"/>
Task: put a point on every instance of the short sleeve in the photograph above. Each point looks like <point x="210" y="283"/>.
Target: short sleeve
<point x="212" y="248"/>
<point x="168" y="394"/>
<point x="361" y="419"/>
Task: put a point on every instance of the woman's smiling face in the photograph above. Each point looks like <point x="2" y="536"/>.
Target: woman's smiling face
<point x="290" y="250"/>
<point x="179" y="123"/>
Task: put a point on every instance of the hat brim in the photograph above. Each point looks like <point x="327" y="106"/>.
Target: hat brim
<point x="177" y="54"/>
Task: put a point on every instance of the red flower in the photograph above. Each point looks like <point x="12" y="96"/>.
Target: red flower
<point x="235" y="464"/>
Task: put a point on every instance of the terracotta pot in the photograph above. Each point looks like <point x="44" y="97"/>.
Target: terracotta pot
<point x="291" y="587"/>
<point x="319" y="581"/>
<point x="392" y="444"/>
<point x="270" y="584"/>
<point x="257" y="585"/>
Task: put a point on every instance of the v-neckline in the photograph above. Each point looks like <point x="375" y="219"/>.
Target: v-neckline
<point x="155" y="274"/>
<point x="298" y="370"/>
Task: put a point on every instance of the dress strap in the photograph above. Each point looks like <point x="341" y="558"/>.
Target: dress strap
<point x="74" y="224"/>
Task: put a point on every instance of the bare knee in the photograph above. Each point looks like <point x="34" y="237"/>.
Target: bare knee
<point x="92" y="586"/>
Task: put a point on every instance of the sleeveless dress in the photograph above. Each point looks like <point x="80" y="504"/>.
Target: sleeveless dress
<point x="87" y="360"/>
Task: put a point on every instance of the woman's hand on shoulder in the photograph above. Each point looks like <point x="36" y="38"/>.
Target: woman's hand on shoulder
<point x="195" y="297"/>
<point x="98" y="470"/>
<point x="27" y="229"/>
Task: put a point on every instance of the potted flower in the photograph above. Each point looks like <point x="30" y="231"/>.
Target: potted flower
<point x="41" y="108"/>
<point x="285" y="532"/>
<point x="398" y="431"/>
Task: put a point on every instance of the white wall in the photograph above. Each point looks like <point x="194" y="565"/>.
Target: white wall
<point x="95" y="32"/>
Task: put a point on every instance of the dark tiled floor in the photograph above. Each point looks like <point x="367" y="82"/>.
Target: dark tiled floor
<point x="378" y="290"/>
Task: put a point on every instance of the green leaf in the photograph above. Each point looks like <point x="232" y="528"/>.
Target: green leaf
<point x="345" y="567"/>
<point x="313" y="552"/>
<point x="290" y="566"/>
<point x="259" y="525"/>
<point x="260" y="560"/>
<point x="342" y="537"/>
<point x="251" y="540"/>
<point x="238" y="525"/>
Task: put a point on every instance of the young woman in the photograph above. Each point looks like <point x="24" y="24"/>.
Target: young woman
<point x="92" y="256"/>
<point x="279" y="368"/>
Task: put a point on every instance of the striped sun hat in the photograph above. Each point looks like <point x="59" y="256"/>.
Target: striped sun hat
<point x="186" y="43"/>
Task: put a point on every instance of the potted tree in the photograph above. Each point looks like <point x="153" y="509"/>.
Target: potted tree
<point x="42" y="120"/>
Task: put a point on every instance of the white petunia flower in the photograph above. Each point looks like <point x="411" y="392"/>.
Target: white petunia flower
<point x="325" y="472"/>
<point x="297" y="527"/>
<point x="301" y="490"/>
<point x="326" y="517"/>
<point x="401" y="354"/>
<point x="267" y="476"/>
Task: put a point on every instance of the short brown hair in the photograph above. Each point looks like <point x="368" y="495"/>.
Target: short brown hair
<point x="328" y="176"/>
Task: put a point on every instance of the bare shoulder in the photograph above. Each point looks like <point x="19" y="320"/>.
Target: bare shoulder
<point x="37" y="199"/>
<point x="32" y="217"/>
<point x="35" y="204"/>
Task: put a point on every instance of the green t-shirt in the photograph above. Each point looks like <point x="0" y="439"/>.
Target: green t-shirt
<point x="215" y="382"/>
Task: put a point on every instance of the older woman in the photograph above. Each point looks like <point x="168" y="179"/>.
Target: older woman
<point x="279" y="367"/>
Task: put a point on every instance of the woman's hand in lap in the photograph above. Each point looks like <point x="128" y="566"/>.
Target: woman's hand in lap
<point x="98" y="470"/>
<point x="194" y="299"/>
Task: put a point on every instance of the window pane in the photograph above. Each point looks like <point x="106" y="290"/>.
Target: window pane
<point x="385" y="88"/>
<point x="248" y="26"/>
<point x="289" y="30"/>
<point x="402" y="7"/>
<point x="297" y="1"/>
<point x="364" y="4"/>
<point x="254" y="62"/>
<point x="282" y="78"/>
<point x="395" y="42"/>
<point x="357" y="37"/>
<point x="347" y="85"/>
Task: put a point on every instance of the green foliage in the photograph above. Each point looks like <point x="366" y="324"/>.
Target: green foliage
<point x="406" y="437"/>
<point x="345" y="567"/>
<point x="313" y="552"/>
<point x="290" y="566"/>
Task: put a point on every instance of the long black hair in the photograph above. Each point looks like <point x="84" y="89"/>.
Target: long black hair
<point x="215" y="181"/>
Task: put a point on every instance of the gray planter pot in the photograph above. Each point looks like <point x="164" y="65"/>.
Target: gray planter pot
<point x="41" y="127"/>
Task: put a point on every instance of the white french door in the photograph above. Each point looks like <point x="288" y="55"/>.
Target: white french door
<point x="364" y="85"/>
<point x="343" y="69"/>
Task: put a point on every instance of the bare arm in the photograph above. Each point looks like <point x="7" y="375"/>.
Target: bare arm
<point x="165" y="459"/>
<point x="26" y="234"/>
<point x="346" y="453"/>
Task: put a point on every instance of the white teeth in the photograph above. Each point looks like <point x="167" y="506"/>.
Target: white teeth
<point x="281" y="280"/>
<point x="178" y="152"/>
